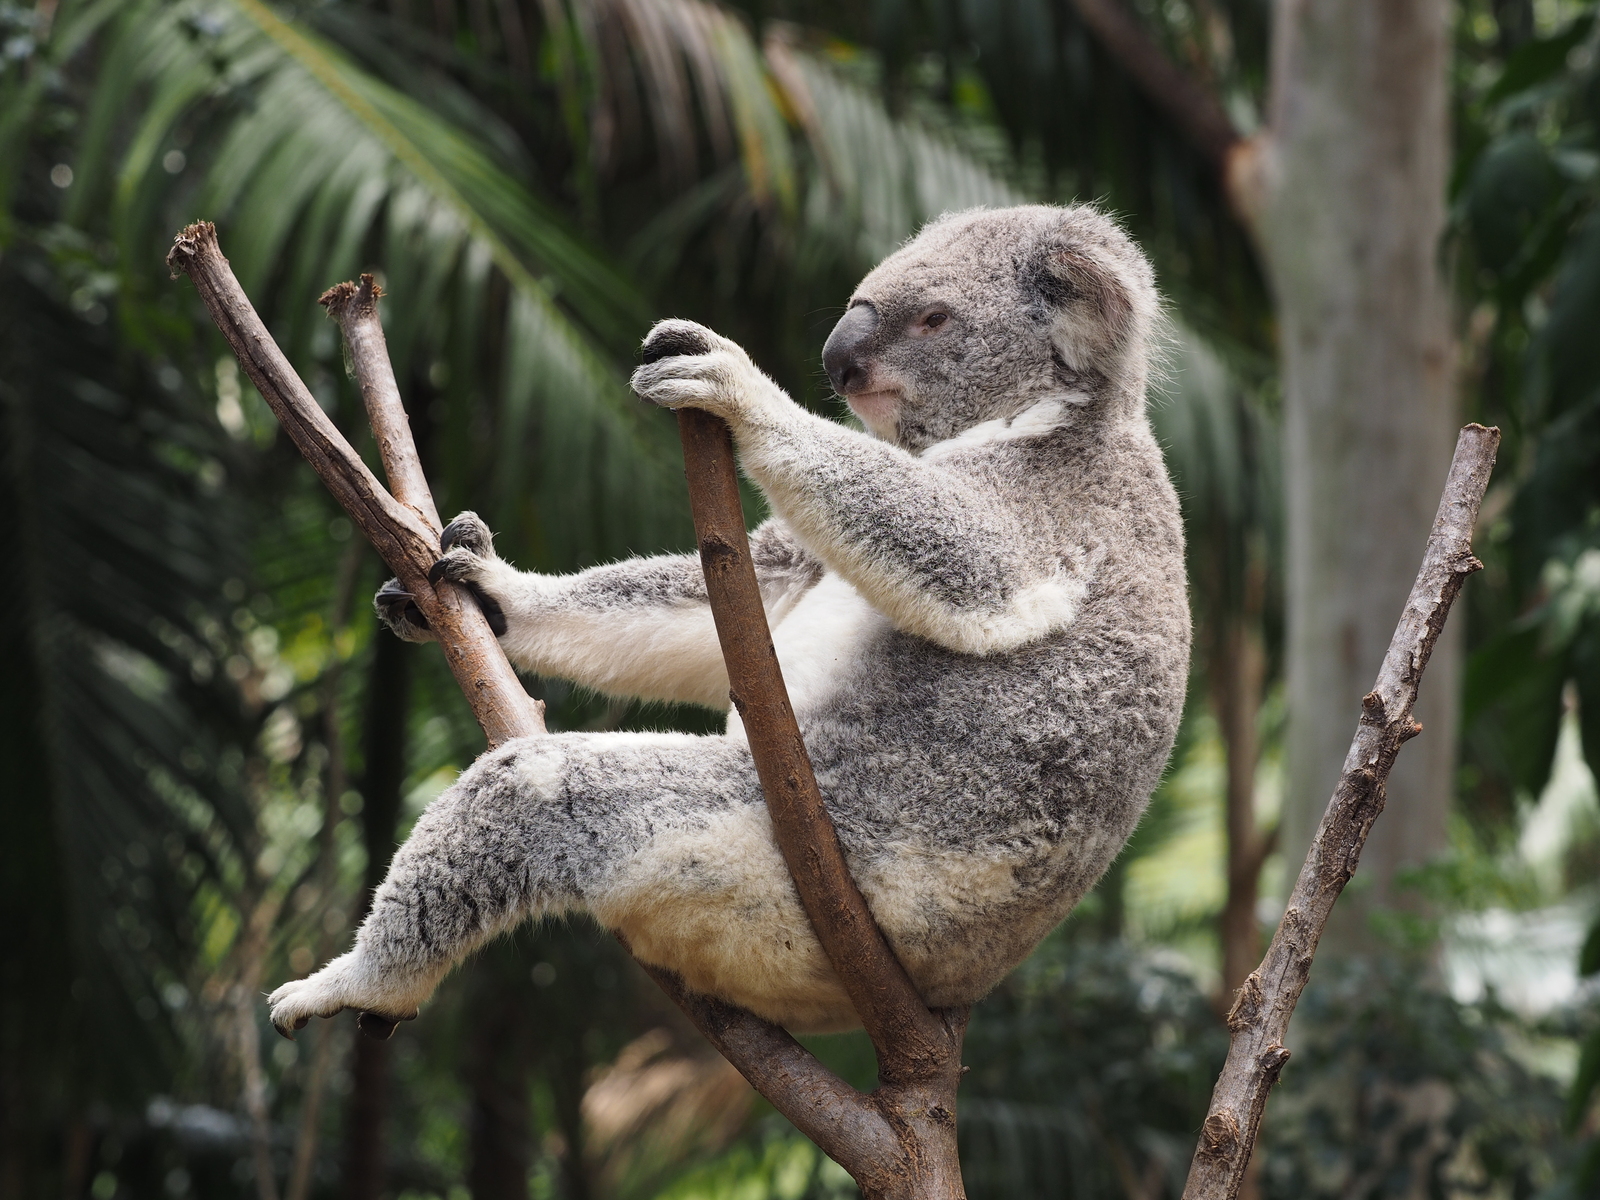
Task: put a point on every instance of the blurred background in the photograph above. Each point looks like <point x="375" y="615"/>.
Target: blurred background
<point x="1372" y="221"/>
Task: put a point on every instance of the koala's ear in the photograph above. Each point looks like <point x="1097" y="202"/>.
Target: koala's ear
<point x="1092" y="280"/>
<point x="1076" y="279"/>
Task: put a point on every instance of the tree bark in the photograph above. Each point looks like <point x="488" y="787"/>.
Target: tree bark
<point x="1238" y="670"/>
<point x="1345" y="195"/>
<point x="1347" y="190"/>
<point x="1259" y="1020"/>
<point x="500" y="1053"/>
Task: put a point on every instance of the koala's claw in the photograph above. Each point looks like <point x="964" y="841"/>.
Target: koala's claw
<point x="673" y="337"/>
<point x="378" y="1026"/>
<point x="468" y="532"/>
<point x="397" y="608"/>
<point x="327" y="993"/>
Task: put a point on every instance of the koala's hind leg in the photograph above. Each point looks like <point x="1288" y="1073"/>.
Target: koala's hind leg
<point x="664" y="837"/>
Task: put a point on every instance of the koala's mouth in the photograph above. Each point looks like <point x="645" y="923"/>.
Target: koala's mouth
<point x="878" y="410"/>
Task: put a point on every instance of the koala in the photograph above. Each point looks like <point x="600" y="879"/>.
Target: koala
<point x="980" y="610"/>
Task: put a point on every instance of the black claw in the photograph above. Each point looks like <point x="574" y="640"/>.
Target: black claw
<point x="436" y="572"/>
<point x="398" y="607"/>
<point x="283" y="1032"/>
<point x="672" y="342"/>
<point x="468" y="532"/>
<point x="375" y="1026"/>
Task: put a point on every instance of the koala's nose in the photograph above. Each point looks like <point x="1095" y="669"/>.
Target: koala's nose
<point x="844" y="354"/>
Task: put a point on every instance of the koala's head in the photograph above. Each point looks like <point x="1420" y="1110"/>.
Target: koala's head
<point x="985" y="313"/>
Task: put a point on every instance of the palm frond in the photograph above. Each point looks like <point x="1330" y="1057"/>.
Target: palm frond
<point x="316" y="169"/>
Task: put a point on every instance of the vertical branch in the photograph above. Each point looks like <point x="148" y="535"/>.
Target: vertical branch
<point x="356" y="310"/>
<point x="1260" y="1016"/>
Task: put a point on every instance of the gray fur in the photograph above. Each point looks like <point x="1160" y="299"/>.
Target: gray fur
<point x="981" y="614"/>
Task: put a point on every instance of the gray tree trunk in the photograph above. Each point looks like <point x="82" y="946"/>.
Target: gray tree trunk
<point x="1348" y="195"/>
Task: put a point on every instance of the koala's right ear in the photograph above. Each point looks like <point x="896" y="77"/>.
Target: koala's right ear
<point x="1099" y="288"/>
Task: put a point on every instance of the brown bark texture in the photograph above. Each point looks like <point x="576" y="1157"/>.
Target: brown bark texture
<point x="898" y="1142"/>
<point x="1238" y="669"/>
<point x="1260" y="1016"/>
<point x="406" y="540"/>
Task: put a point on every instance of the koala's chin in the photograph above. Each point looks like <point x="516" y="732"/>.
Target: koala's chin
<point x="980" y="613"/>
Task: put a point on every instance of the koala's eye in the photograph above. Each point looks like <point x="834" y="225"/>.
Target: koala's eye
<point x="935" y="319"/>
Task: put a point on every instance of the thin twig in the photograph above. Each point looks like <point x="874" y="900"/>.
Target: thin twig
<point x="355" y="308"/>
<point x="400" y="534"/>
<point x="1260" y="1016"/>
<point x="909" y="1039"/>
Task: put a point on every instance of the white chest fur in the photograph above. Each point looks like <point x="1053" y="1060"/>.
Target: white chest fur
<point x="819" y="642"/>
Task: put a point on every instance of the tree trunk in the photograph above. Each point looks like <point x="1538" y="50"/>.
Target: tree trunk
<point x="384" y="745"/>
<point x="1347" y="192"/>
<point x="1237" y="670"/>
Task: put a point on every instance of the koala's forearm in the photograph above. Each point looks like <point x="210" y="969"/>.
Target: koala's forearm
<point x="639" y="629"/>
<point x="932" y="550"/>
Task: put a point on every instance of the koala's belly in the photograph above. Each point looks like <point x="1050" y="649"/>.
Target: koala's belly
<point x="823" y="643"/>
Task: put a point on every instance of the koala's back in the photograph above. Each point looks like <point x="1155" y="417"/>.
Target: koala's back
<point x="980" y="797"/>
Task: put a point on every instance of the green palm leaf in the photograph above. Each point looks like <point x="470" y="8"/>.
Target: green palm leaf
<point x="315" y="170"/>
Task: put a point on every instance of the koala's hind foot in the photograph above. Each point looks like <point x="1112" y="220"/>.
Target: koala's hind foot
<point x="662" y="837"/>
<point x="382" y="999"/>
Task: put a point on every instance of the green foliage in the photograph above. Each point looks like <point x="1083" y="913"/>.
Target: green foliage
<point x="1396" y="1089"/>
<point x="1092" y="1066"/>
<point x="1582" y="1115"/>
<point x="1529" y="235"/>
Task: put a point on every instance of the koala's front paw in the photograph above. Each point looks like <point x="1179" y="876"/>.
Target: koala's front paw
<point x="397" y="608"/>
<point x="688" y="366"/>
<point x="338" y="986"/>
<point x="469" y="559"/>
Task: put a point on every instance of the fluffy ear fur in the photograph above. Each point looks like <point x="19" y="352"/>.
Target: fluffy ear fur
<point x="1103" y="296"/>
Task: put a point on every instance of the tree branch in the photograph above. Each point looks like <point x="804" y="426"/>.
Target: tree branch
<point x="899" y="1142"/>
<point x="1188" y="104"/>
<point x="1260" y="1016"/>
<point x="909" y="1039"/>
<point x="356" y="310"/>
<point x="401" y="534"/>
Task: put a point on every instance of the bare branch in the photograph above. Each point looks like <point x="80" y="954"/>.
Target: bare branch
<point x="1188" y="104"/>
<point x="909" y="1039"/>
<point x="821" y="1105"/>
<point x="1260" y="1016"/>
<point x="356" y="310"/>
<point x="400" y="533"/>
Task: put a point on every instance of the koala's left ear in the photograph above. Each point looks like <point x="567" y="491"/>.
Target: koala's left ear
<point x="1098" y="286"/>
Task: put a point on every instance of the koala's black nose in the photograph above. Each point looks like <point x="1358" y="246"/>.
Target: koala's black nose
<point x="843" y="356"/>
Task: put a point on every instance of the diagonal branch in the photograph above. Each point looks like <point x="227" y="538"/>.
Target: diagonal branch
<point x="401" y="534"/>
<point x="1260" y="1016"/>
<point x="909" y="1039"/>
<point x="356" y="310"/>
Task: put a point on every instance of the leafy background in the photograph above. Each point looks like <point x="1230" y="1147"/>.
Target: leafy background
<point x="208" y="753"/>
